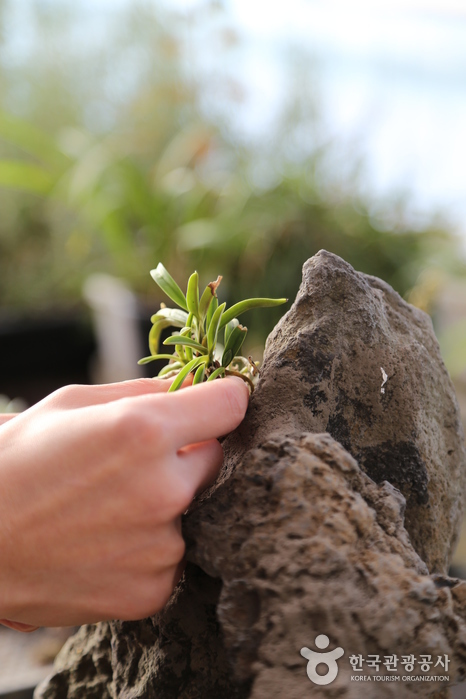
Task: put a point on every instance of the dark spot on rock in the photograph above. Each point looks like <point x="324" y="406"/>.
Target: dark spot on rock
<point x="314" y="358"/>
<point x="360" y="410"/>
<point x="247" y="603"/>
<point x="314" y="398"/>
<point x="133" y="666"/>
<point x="85" y="668"/>
<point x="338" y="428"/>
<point x="58" y="686"/>
<point x="441" y="581"/>
<point x="284" y="362"/>
<point x="262" y="481"/>
<point x="103" y="665"/>
<point x="400" y="464"/>
<point x="256" y="479"/>
<point x="363" y="412"/>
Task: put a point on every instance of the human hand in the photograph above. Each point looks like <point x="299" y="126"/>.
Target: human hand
<point x="93" y="483"/>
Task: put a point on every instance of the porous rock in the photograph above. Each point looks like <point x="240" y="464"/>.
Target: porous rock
<point x="335" y="514"/>
<point x="324" y="370"/>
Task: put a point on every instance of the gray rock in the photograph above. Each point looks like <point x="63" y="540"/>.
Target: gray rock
<point x="83" y="667"/>
<point x="322" y="372"/>
<point x="347" y="535"/>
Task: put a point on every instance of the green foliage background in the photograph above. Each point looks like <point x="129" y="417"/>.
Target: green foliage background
<point x="111" y="161"/>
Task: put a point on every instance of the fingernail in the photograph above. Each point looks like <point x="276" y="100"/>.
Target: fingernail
<point x="237" y="380"/>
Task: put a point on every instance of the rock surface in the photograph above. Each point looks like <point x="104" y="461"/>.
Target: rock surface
<point x="322" y="372"/>
<point x="347" y="535"/>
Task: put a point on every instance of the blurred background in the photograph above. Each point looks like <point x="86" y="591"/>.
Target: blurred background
<point x="235" y="138"/>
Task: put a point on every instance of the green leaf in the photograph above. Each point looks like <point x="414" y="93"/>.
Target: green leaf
<point x="204" y="303"/>
<point x="213" y="328"/>
<point x="192" y="294"/>
<point x="227" y="357"/>
<point x="199" y="375"/>
<point x="186" y="332"/>
<point x="217" y="372"/>
<point x="175" y="366"/>
<point x="229" y="327"/>
<point x="247" y="305"/>
<point x="153" y="358"/>
<point x="208" y="294"/>
<point x="186" y="341"/>
<point x="168" y="285"/>
<point x="179" y="350"/>
<point x="234" y="344"/>
<point x="165" y="318"/>
<point x="185" y="371"/>
<point x="155" y="333"/>
<point x="178" y="318"/>
<point x="210" y="312"/>
<point x="17" y="174"/>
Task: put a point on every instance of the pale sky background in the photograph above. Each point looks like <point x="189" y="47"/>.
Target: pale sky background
<point x="390" y="80"/>
<point x="392" y="77"/>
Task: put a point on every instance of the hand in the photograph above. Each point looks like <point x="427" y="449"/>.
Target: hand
<point x="93" y="483"/>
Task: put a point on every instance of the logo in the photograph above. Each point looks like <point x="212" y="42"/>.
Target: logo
<point x="315" y="659"/>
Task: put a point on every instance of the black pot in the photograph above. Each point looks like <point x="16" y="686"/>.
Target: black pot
<point x="41" y="353"/>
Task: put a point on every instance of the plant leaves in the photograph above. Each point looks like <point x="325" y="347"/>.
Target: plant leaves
<point x="165" y="318"/>
<point x="229" y="327"/>
<point x="186" y="332"/>
<point x="192" y="294"/>
<point x="204" y="303"/>
<point x="217" y="372"/>
<point x="168" y="285"/>
<point x="154" y="357"/>
<point x="247" y="305"/>
<point x="199" y="375"/>
<point x="178" y="318"/>
<point x="208" y="294"/>
<point x="169" y="368"/>
<point x="213" y="328"/>
<point x="185" y="371"/>
<point x="155" y="333"/>
<point x="210" y="311"/>
<point x="234" y="344"/>
<point x="186" y="341"/>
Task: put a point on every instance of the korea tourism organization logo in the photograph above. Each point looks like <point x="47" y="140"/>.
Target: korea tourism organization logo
<point x="373" y="668"/>
<point x="328" y="659"/>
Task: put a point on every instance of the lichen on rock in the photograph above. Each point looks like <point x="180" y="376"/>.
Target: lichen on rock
<point x="336" y="513"/>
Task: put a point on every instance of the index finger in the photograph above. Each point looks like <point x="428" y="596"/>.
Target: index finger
<point x="206" y="411"/>
<point x="5" y="417"/>
<point x="81" y="395"/>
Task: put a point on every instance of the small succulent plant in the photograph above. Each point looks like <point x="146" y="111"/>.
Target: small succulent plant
<point x="200" y="319"/>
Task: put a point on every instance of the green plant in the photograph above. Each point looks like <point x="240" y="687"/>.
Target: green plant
<point x="200" y="319"/>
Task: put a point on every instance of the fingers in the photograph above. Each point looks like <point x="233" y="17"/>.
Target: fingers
<point x="18" y="626"/>
<point x="5" y="417"/>
<point x="200" y="464"/>
<point x="206" y="411"/>
<point x="78" y="396"/>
